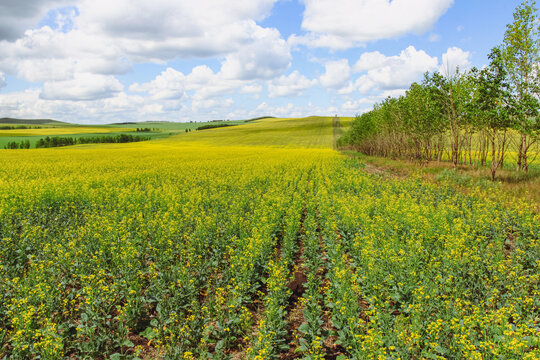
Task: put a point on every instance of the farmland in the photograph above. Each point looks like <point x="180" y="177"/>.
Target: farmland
<point x="257" y="241"/>
<point x="21" y="130"/>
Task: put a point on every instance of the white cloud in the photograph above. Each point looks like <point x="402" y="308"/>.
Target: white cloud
<point x="2" y="80"/>
<point x="29" y="104"/>
<point x="321" y="41"/>
<point x="336" y="23"/>
<point x="455" y="58"/>
<point x="82" y="87"/>
<point x="348" y="89"/>
<point x="202" y="83"/>
<point x="108" y="37"/>
<point x="170" y="84"/>
<point x="369" y="60"/>
<point x="17" y="16"/>
<point x="211" y="105"/>
<point x="365" y="84"/>
<point x="46" y="55"/>
<point x="394" y="72"/>
<point x="285" y="111"/>
<point x="168" y="29"/>
<point x="251" y="89"/>
<point x="337" y="74"/>
<point x="138" y="19"/>
<point x="267" y="56"/>
<point x="292" y="85"/>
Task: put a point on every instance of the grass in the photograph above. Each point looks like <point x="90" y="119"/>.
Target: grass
<point x="515" y="185"/>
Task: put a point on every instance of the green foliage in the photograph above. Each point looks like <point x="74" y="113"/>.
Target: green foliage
<point x="57" y="141"/>
<point x="212" y="126"/>
<point x="521" y="55"/>
<point x="440" y="117"/>
<point x="25" y="144"/>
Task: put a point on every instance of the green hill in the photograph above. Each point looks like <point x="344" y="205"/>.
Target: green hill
<point x="32" y="121"/>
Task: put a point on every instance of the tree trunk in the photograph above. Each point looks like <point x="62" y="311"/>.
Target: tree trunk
<point x="494" y="161"/>
<point x="520" y="153"/>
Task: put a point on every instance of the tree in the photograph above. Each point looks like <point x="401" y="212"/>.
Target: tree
<point x="521" y="54"/>
<point x="491" y="104"/>
<point x="453" y="92"/>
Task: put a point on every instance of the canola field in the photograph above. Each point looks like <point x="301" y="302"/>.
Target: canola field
<point x="256" y="242"/>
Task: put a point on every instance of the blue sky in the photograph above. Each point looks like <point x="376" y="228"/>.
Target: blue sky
<point x="97" y="61"/>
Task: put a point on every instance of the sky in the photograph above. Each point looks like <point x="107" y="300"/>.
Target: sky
<point x="102" y="61"/>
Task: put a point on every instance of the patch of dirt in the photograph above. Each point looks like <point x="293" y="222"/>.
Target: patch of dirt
<point x="509" y="244"/>
<point x="295" y="317"/>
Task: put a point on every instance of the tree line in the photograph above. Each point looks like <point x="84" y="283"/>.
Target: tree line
<point x="465" y="117"/>
<point x="18" y="127"/>
<point x="58" y="141"/>
<point x="213" y="126"/>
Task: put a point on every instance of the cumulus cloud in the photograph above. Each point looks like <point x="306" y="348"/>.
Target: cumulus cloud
<point x="108" y="37"/>
<point x="214" y="105"/>
<point x="267" y="56"/>
<point x="394" y="72"/>
<point x="288" y="110"/>
<point x="2" y="80"/>
<point x="168" y="18"/>
<point x="47" y="55"/>
<point x="338" y="24"/>
<point x="82" y="87"/>
<point x="170" y="84"/>
<point x="453" y="59"/>
<point x="29" y="104"/>
<point x="337" y="74"/>
<point x="201" y="84"/>
<point x="251" y="89"/>
<point x="168" y="29"/>
<point x="17" y="16"/>
<point x="292" y="85"/>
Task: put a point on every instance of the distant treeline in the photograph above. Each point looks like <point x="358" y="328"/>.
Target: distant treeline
<point x="261" y="118"/>
<point x="18" y="127"/>
<point x="66" y="141"/>
<point x="58" y="141"/>
<point x="25" y="144"/>
<point x="466" y="117"/>
<point x="212" y="126"/>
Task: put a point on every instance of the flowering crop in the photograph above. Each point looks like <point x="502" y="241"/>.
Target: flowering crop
<point x="183" y="249"/>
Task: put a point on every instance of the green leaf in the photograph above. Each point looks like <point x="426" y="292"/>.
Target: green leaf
<point x="303" y="328"/>
<point x="127" y="343"/>
<point x="148" y="333"/>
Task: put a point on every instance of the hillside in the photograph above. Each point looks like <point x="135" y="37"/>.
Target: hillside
<point x="32" y="121"/>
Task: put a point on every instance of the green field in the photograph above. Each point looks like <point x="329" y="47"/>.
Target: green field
<point x="38" y="129"/>
<point x="258" y="241"/>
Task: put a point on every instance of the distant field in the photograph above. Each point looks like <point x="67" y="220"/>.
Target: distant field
<point x="174" y="126"/>
<point x="72" y="130"/>
<point x="42" y="128"/>
<point x="311" y="132"/>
